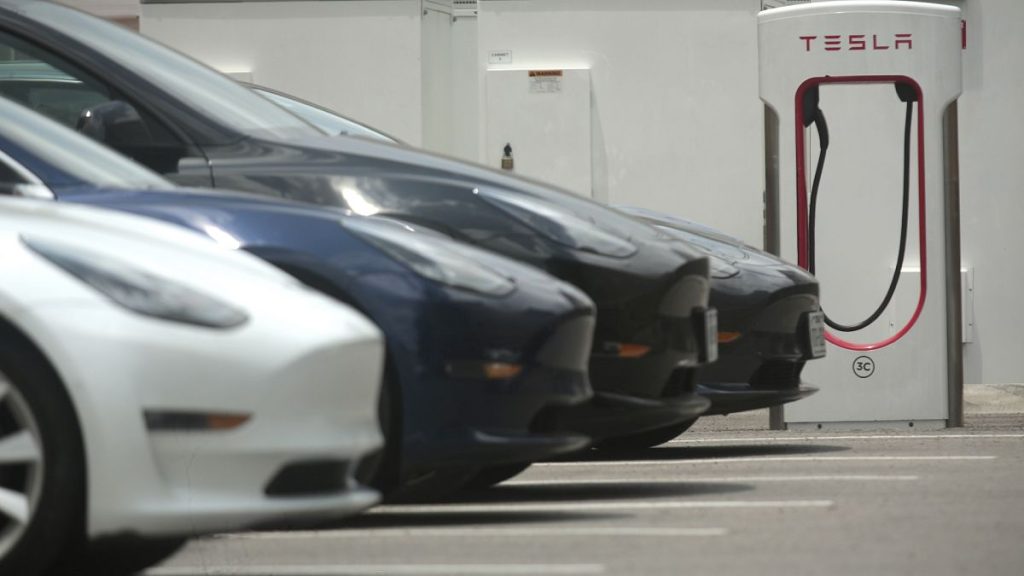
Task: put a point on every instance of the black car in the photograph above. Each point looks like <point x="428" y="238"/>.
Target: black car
<point x="201" y="128"/>
<point x="770" y="324"/>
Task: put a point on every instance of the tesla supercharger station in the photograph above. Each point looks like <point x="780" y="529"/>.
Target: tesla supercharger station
<point x="861" y="189"/>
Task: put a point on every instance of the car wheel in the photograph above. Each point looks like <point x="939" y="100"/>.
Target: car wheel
<point x="647" y="439"/>
<point x="41" y="462"/>
<point x="493" y="475"/>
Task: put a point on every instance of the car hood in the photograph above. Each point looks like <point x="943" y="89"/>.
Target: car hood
<point x="740" y="273"/>
<point x="242" y="221"/>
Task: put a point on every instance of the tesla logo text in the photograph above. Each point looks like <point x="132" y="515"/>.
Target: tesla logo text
<point x="852" y="42"/>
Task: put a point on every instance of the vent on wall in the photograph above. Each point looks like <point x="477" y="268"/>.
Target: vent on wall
<point x="464" y="7"/>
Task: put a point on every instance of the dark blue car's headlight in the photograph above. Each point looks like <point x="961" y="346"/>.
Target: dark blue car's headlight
<point x="557" y="224"/>
<point x="139" y="291"/>
<point x="429" y="258"/>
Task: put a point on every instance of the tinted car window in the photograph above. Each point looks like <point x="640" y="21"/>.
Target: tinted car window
<point x="49" y="85"/>
<point x="62" y="101"/>
<point x="78" y="157"/>
<point x="46" y="89"/>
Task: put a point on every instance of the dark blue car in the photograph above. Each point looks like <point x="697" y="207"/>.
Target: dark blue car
<point x="486" y="356"/>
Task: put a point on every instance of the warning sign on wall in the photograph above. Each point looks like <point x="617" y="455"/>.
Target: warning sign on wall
<point x="545" y="81"/>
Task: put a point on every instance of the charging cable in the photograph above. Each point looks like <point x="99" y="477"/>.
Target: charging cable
<point x="813" y="114"/>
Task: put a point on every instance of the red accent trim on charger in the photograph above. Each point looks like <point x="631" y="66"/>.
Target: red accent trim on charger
<point x="801" y="195"/>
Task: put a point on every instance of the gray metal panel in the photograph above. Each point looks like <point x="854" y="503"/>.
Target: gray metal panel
<point x="776" y="414"/>
<point x="954" y="302"/>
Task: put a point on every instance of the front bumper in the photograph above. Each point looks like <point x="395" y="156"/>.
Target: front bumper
<point x="762" y="368"/>
<point x="611" y="415"/>
<point x="495" y="423"/>
<point x="483" y="448"/>
<point x="470" y="422"/>
<point x="308" y="376"/>
<point x="739" y="397"/>
<point x="676" y="326"/>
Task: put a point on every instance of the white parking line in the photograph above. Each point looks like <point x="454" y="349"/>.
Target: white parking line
<point x="578" y="506"/>
<point x="774" y="439"/>
<point x="377" y="569"/>
<point x="708" y="479"/>
<point x="479" y="532"/>
<point x="749" y="459"/>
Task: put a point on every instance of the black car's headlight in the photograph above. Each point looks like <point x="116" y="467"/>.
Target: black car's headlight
<point x="139" y="291"/>
<point x="428" y="258"/>
<point x="557" y="224"/>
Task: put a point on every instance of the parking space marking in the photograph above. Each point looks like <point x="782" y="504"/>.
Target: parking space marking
<point x="749" y="459"/>
<point x="773" y="439"/>
<point x="377" y="569"/>
<point x="707" y="479"/>
<point x="579" y="506"/>
<point x="481" y="532"/>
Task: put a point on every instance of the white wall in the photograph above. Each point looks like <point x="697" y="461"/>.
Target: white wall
<point x="992" y="187"/>
<point x="106" y="8"/>
<point x="359" y="57"/>
<point x="677" y="120"/>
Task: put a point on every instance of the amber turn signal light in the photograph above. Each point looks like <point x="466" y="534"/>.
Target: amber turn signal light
<point x="728" y="337"/>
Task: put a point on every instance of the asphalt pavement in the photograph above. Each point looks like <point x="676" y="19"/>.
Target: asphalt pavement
<point x="726" y="498"/>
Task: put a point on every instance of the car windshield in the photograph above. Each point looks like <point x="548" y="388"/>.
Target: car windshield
<point x="75" y="155"/>
<point x="205" y="89"/>
<point x="329" y="122"/>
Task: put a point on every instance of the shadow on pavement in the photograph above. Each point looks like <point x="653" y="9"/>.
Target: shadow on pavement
<point x="385" y="519"/>
<point x="698" y="452"/>
<point x="573" y="492"/>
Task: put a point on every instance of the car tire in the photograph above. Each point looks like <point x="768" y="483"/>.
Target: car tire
<point x="494" y="475"/>
<point x="35" y="406"/>
<point x="647" y="439"/>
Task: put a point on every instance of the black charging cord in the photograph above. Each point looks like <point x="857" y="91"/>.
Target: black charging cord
<point x="812" y="113"/>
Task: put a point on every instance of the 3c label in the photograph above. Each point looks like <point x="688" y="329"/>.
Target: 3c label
<point x="863" y="367"/>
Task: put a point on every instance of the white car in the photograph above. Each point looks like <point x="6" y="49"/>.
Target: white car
<point x="156" y="384"/>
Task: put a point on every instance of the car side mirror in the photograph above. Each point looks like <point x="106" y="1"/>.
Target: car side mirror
<point x="115" y="123"/>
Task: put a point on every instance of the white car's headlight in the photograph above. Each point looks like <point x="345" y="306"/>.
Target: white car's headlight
<point x="428" y="258"/>
<point x="139" y="291"/>
<point x="558" y="225"/>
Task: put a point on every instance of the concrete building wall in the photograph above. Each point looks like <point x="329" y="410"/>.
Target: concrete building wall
<point x="361" y="57"/>
<point x="992" y="187"/>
